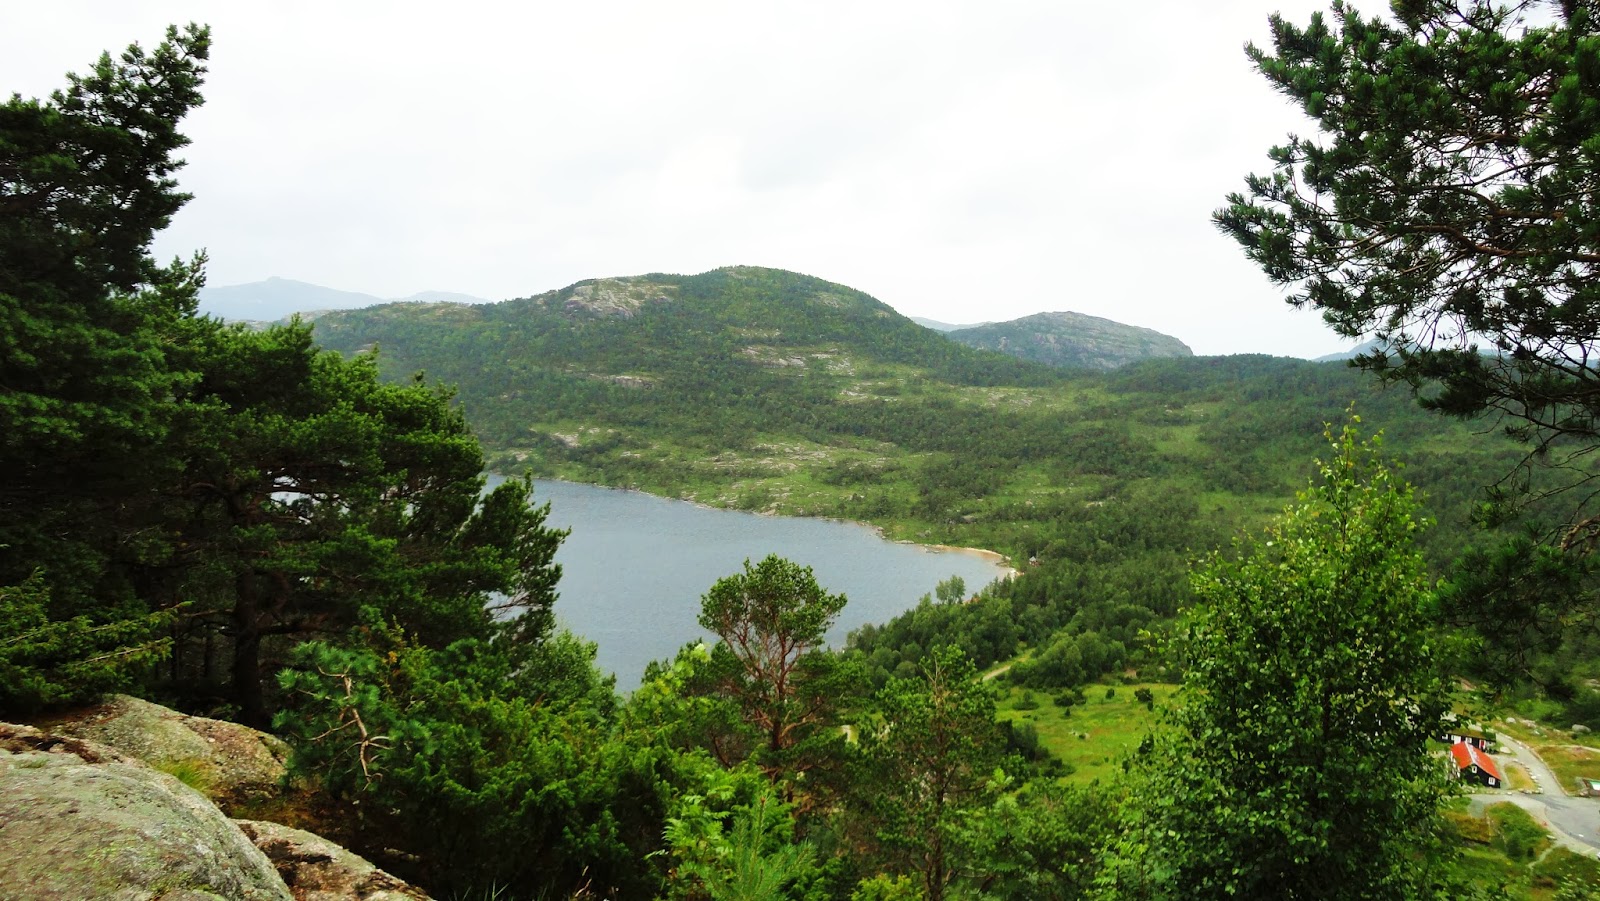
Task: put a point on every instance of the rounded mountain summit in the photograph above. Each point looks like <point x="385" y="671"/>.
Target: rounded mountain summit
<point x="1071" y="341"/>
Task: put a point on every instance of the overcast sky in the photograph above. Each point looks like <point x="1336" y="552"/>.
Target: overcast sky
<point x="961" y="161"/>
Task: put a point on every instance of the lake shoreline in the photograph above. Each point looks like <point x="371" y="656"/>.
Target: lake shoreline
<point x="995" y="557"/>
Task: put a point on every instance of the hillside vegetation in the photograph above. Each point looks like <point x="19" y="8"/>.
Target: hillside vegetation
<point x="1072" y="341"/>
<point x="766" y="390"/>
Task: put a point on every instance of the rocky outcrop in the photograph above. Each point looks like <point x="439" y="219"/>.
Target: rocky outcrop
<point x="80" y="820"/>
<point x="228" y="761"/>
<point x="316" y="869"/>
<point x="607" y="298"/>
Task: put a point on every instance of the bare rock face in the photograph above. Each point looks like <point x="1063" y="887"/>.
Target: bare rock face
<point x="80" y="820"/>
<point x="607" y="298"/>
<point x="230" y="761"/>
<point x="316" y="869"/>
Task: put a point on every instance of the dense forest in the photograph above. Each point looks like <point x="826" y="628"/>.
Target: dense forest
<point x="290" y="529"/>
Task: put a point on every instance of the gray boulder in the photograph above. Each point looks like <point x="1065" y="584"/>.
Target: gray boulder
<point x="80" y="820"/>
<point x="227" y="761"/>
<point x="316" y="869"/>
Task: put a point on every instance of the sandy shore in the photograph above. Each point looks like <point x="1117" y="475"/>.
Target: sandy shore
<point x="995" y="557"/>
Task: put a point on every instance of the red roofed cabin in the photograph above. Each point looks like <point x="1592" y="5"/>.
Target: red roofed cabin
<point x="1475" y="765"/>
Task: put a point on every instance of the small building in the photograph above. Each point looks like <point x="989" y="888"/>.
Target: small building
<point x="1456" y="730"/>
<point x="1475" y="765"/>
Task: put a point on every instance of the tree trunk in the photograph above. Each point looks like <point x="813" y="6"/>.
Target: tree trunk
<point x="247" y="691"/>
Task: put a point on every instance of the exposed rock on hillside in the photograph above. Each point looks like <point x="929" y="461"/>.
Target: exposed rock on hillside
<point x="233" y="761"/>
<point x="79" y="820"/>
<point x="1072" y="340"/>
<point x="619" y="298"/>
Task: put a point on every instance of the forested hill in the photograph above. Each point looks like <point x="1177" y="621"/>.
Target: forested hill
<point x="762" y="389"/>
<point x="737" y="322"/>
<point x="1072" y="341"/>
<point x="713" y="362"/>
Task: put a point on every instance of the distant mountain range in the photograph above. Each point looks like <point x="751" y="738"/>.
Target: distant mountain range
<point x="1063" y="340"/>
<point x="279" y="298"/>
<point x="938" y="326"/>
<point x="1072" y="341"/>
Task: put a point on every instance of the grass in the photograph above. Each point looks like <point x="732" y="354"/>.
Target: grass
<point x="1518" y="778"/>
<point x="1524" y="731"/>
<point x="1507" y="854"/>
<point x="1563" y="866"/>
<point x="1492" y="872"/>
<point x="193" y="773"/>
<point x="1516" y="833"/>
<point x="1570" y="763"/>
<point x="1098" y="732"/>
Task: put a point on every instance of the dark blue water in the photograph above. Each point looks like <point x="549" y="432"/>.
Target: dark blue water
<point x="635" y="566"/>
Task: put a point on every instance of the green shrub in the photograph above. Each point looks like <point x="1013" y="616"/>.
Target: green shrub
<point x="492" y="761"/>
<point x="47" y="662"/>
<point x="1516" y="832"/>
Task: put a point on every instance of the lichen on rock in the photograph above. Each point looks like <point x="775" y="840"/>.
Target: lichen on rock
<point x="236" y="762"/>
<point x="80" y="820"/>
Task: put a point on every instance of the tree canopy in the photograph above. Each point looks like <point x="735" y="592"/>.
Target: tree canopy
<point x="1298" y="765"/>
<point x="1448" y="205"/>
<point x="246" y="490"/>
<point x="772" y="618"/>
<point x="86" y="316"/>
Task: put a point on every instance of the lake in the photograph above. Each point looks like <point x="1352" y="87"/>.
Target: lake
<point x="635" y="566"/>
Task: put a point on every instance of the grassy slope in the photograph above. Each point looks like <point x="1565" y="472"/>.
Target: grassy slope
<point x="1565" y="753"/>
<point x="1094" y="735"/>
